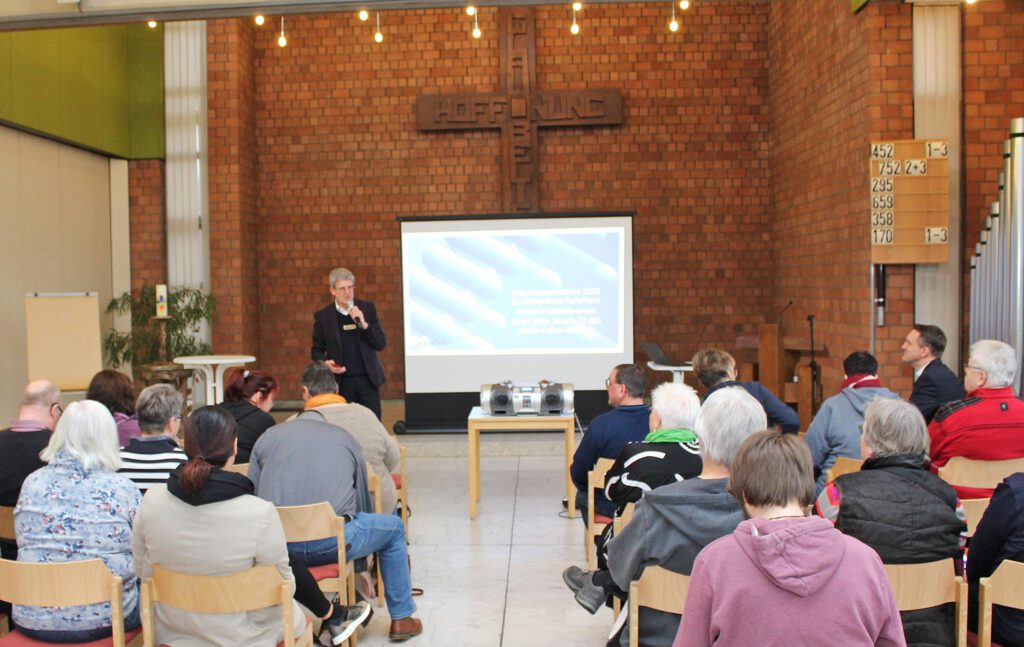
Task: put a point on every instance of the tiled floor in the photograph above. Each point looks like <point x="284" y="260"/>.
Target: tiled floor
<point x="496" y="580"/>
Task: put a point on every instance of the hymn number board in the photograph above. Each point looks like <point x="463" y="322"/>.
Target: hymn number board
<point x="910" y="201"/>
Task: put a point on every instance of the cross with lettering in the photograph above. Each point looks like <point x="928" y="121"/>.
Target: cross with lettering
<point x="518" y="110"/>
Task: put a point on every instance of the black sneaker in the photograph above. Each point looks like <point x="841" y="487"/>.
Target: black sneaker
<point x="346" y="620"/>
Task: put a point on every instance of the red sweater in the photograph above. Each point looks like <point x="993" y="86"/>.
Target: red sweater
<point x="987" y="425"/>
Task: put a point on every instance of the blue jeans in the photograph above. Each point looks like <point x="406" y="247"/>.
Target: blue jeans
<point x="369" y="533"/>
<point x="131" y="621"/>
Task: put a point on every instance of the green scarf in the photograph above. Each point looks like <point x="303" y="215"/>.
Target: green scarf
<point x="671" y="436"/>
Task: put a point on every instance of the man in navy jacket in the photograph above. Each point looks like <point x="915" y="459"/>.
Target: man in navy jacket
<point x="346" y="336"/>
<point x="934" y="384"/>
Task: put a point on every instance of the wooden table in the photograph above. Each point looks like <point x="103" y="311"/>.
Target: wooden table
<point x="479" y="421"/>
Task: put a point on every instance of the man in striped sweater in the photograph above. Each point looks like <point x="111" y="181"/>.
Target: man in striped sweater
<point x="149" y="460"/>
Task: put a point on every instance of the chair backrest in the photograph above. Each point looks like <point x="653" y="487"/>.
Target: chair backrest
<point x="595" y="477"/>
<point x="975" y="510"/>
<point x="240" y="468"/>
<point x="310" y="522"/>
<point x="373" y="485"/>
<point x="979" y="474"/>
<point x="658" y="588"/>
<point x="255" y="588"/>
<point x="843" y="465"/>
<point x="1004" y="587"/>
<point x="922" y="586"/>
<point x="624" y="518"/>
<point x="64" y="584"/>
<point x="7" y="523"/>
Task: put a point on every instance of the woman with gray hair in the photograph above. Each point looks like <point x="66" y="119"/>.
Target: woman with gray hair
<point x="899" y="508"/>
<point x="78" y="508"/>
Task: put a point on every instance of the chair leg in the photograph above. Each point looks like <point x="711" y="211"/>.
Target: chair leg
<point x="380" y="581"/>
<point x="984" y="614"/>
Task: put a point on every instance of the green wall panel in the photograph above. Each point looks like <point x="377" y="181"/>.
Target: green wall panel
<point x="97" y="87"/>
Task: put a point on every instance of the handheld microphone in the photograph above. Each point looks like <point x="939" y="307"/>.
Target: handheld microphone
<point x="359" y="322"/>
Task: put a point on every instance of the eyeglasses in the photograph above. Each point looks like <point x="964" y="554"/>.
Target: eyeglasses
<point x="968" y="367"/>
<point x="60" y="411"/>
<point x="607" y="382"/>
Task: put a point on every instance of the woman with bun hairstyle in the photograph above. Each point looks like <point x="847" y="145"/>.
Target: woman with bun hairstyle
<point x="249" y="397"/>
<point x="207" y="521"/>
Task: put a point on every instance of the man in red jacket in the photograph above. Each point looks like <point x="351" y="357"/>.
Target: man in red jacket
<point x="988" y="424"/>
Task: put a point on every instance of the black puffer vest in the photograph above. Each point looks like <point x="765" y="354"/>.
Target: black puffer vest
<point x="908" y="515"/>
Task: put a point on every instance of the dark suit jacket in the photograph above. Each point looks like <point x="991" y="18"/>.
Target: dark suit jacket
<point x="327" y="339"/>
<point x="936" y="386"/>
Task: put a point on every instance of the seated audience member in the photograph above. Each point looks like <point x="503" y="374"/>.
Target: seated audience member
<point x="152" y="457"/>
<point x="669" y="453"/>
<point x="782" y="577"/>
<point x="308" y="460"/>
<point x="206" y="521"/>
<point x="899" y="508"/>
<point x="20" y="444"/>
<point x="835" y="430"/>
<point x="988" y="425"/>
<point x="78" y="508"/>
<point x="115" y="391"/>
<point x="249" y="397"/>
<point x="671" y="524"/>
<point x="320" y="393"/>
<point x="999" y="536"/>
<point x="934" y="384"/>
<point x="609" y="432"/>
<point x="716" y="369"/>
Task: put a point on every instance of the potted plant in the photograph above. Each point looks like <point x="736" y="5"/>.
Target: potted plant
<point x="188" y="309"/>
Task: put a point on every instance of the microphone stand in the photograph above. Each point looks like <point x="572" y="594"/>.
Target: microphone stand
<point x="814" y="370"/>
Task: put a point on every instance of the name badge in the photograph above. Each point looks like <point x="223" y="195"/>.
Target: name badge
<point x="349" y="327"/>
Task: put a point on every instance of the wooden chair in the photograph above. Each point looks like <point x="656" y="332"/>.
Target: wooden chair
<point x="6" y="532"/>
<point x="1005" y="587"/>
<point x="843" y="465"/>
<point x="658" y="588"/>
<point x="65" y="584"/>
<point x="373" y="484"/>
<point x="318" y="521"/>
<point x="618" y="524"/>
<point x="258" y="587"/>
<point x="238" y="468"/>
<point x="402" y="490"/>
<point x="922" y="586"/>
<point x="966" y="472"/>
<point x="975" y="510"/>
<point x="595" y="522"/>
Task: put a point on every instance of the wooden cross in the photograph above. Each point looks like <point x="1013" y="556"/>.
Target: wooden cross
<point x="518" y="110"/>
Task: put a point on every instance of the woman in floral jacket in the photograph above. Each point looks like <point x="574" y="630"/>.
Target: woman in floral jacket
<point x="78" y="508"/>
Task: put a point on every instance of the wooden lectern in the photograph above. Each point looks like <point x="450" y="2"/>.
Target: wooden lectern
<point x="780" y="359"/>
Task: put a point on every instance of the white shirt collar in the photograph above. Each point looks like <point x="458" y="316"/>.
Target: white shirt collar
<point x="343" y="311"/>
<point x="918" y="371"/>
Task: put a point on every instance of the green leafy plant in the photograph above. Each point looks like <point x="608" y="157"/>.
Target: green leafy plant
<point x="188" y="308"/>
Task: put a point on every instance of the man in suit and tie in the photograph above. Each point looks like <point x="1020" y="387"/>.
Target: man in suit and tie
<point x="934" y="384"/>
<point x="346" y="336"/>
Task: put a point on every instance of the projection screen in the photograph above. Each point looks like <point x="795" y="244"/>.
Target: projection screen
<point x="488" y="299"/>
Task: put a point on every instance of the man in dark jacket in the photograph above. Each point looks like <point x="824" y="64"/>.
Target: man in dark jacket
<point x="934" y="384"/>
<point x="716" y="369"/>
<point x="900" y="509"/>
<point x="346" y="336"/>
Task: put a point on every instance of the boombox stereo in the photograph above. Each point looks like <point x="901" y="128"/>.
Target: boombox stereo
<point x="543" y="398"/>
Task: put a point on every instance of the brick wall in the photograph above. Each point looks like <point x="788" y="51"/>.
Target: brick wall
<point x="147" y="223"/>
<point x="337" y="158"/>
<point x="993" y="87"/>
<point x="838" y="81"/>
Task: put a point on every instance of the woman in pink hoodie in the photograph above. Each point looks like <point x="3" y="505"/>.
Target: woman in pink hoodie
<point x="783" y="578"/>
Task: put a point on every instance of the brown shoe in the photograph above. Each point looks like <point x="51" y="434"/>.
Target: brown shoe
<point x="405" y="629"/>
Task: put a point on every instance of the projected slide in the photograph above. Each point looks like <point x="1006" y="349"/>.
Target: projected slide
<point x="514" y="291"/>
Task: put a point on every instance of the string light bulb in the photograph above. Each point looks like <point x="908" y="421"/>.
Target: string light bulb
<point x="259" y="20"/>
<point x="151" y="24"/>
<point x="577" y="6"/>
<point x="471" y="10"/>
<point x="364" y="15"/>
<point x="575" y="29"/>
<point x="378" y="37"/>
<point x="673" y="25"/>
<point x="971" y="1"/>
<point x="281" y="40"/>
<point x="476" y="28"/>
<point x="684" y="4"/>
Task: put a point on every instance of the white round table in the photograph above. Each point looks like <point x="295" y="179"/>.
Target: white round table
<point x="212" y="367"/>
